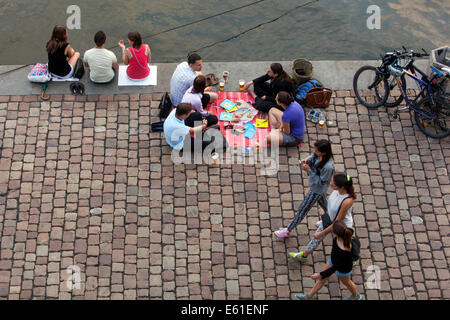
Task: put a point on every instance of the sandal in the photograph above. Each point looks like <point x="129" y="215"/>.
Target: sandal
<point x="77" y="88"/>
<point x="74" y="88"/>
<point x="81" y="89"/>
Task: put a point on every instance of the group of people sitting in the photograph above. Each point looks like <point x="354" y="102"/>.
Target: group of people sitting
<point x="102" y="63"/>
<point x="273" y="94"/>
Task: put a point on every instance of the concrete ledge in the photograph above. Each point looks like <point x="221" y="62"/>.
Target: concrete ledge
<point x="337" y="75"/>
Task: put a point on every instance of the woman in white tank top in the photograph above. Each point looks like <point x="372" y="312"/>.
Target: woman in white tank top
<point x="339" y="207"/>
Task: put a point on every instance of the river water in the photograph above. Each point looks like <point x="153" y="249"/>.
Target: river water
<point x="320" y="30"/>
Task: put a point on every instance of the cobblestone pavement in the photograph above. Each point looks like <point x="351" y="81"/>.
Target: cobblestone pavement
<point x="169" y="231"/>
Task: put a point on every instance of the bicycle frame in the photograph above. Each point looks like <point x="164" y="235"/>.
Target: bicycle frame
<point x="425" y="86"/>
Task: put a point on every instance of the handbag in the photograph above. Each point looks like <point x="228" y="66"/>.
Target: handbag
<point x="39" y="73"/>
<point x="326" y="220"/>
<point x="211" y="80"/>
<point x="318" y="98"/>
<point x="78" y="71"/>
<point x="165" y="106"/>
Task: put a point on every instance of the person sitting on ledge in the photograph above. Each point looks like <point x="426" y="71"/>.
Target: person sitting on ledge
<point x="62" y="58"/>
<point x="176" y="132"/>
<point x="183" y="77"/>
<point x="196" y="96"/>
<point x="137" y="57"/>
<point x="264" y="93"/>
<point x="288" y="127"/>
<point x="101" y="62"/>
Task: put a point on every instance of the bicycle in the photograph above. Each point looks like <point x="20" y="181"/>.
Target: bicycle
<point x="432" y="111"/>
<point x="370" y="83"/>
<point x="409" y="66"/>
<point x="379" y="82"/>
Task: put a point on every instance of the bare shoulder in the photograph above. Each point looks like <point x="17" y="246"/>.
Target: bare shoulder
<point x="349" y="201"/>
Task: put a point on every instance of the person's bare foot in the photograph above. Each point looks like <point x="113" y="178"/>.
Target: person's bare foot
<point x="252" y="93"/>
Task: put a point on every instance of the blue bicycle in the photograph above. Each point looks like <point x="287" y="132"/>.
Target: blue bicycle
<point x="431" y="106"/>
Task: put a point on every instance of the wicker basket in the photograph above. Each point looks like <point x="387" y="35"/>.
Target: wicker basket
<point x="302" y="70"/>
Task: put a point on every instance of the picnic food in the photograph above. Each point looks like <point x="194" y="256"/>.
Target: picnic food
<point x="235" y="121"/>
<point x="239" y="115"/>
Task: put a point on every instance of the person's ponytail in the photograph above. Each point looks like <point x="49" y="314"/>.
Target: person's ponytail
<point x="341" y="231"/>
<point x="348" y="237"/>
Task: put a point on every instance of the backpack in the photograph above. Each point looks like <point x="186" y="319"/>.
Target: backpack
<point x="78" y="71"/>
<point x="39" y="73"/>
<point x="302" y="89"/>
<point x="158" y="126"/>
<point x="165" y="106"/>
<point x="356" y="248"/>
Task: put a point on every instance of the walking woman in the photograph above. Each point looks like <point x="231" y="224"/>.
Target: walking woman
<point x="341" y="262"/>
<point x="62" y="59"/>
<point x="340" y="204"/>
<point x="320" y="169"/>
<point x="137" y="57"/>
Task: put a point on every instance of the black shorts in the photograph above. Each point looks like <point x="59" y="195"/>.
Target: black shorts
<point x="205" y="100"/>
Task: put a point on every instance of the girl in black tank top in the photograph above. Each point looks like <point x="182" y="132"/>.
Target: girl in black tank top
<point x="61" y="56"/>
<point x="57" y="62"/>
<point x="341" y="263"/>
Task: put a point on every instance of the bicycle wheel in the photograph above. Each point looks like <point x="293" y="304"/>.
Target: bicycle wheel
<point x="395" y="96"/>
<point x="439" y="126"/>
<point x="371" y="87"/>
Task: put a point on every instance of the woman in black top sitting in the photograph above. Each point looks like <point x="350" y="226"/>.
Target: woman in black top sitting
<point x="61" y="57"/>
<point x="340" y="262"/>
<point x="264" y="93"/>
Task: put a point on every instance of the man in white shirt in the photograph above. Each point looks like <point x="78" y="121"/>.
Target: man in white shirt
<point x="183" y="77"/>
<point x="101" y="62"/>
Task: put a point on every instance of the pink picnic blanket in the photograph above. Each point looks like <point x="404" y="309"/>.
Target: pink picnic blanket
<point x="240" y="140"/>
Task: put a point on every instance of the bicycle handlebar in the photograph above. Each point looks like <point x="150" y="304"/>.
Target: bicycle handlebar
<point x="412" y="53"/>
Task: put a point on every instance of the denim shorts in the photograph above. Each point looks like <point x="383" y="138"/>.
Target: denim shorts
<point x="290" y="141"/>
<point x="339" y="274"/>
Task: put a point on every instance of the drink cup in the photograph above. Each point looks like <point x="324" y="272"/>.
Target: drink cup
<point x="222" y="85"/>
<point x="321" y="124"/>
<point x="226" y="74"/>
<point x="214" y="158"/>
<point x="241" y="85"/>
